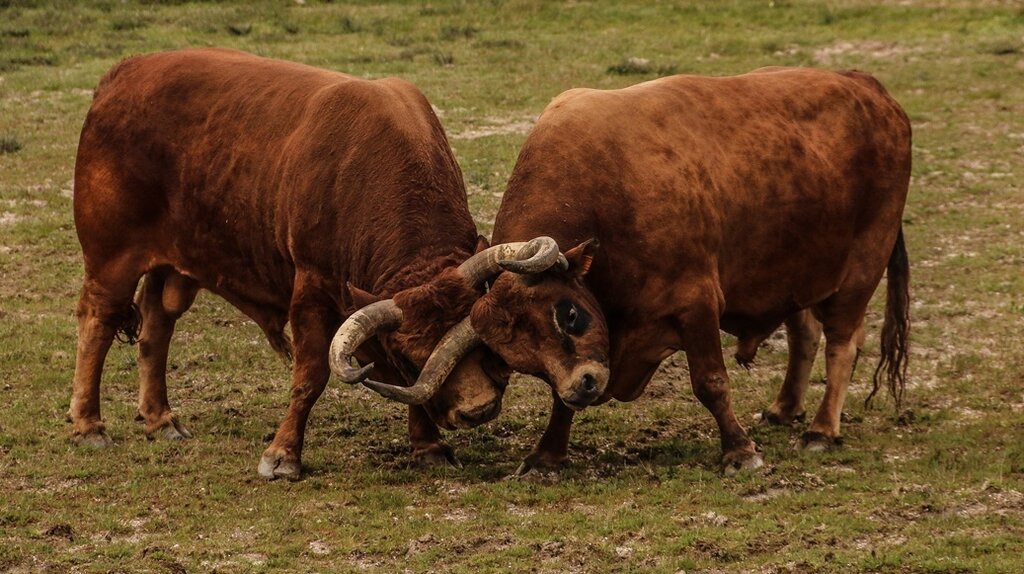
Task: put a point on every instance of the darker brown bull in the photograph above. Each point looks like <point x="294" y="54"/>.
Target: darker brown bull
<point x="727" y="203"/>
<point x="271" y="184"/>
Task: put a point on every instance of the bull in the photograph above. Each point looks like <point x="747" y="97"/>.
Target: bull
<point x="303" y="197"/>
<point x="728" y="203"/>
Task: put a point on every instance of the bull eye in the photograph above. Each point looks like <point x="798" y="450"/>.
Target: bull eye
<point x="570" y="319"/>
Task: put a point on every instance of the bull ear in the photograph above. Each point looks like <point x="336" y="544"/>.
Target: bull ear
<point x="581" y="257"/>
<point x="481" y="243"/>
<point x="361" y="298"/>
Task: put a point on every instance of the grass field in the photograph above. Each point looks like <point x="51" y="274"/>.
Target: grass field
<point x="939" y="490"/>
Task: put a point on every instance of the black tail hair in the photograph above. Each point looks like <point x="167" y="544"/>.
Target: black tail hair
<point x="896" y="329"/>
<point x="129" y="326"/>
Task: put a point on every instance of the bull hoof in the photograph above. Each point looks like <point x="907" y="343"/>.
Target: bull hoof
<point x="776" y="419"/>
<point x="92" y="439"/>
<point x="813" y="441"/>
<point x="736" y="462"/>
<point x="542" y="461"/>
<point x="277" y="464"/>
<point x="168" y="428"/>
<point x="438" y="454"/>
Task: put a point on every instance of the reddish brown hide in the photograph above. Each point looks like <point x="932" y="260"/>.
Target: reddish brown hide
<point x="271" y="184"/>
<point x="728" y="203"/>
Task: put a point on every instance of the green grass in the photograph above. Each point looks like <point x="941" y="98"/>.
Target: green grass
<point x="940" y="493"/>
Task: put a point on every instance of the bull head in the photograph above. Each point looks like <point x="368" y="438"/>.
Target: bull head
<point x="549" y="325"/>
<point x="541" y="299"/>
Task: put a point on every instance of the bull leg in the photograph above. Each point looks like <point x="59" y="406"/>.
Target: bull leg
<point x="552" y="450"/>
<point x="428" y="448"/>
<point x="313" y="325"/>
<point x="104" y="309"/>
<point x="710" y="382"/>
<point x="803" y="333"/>
<point x="165" y="296"/>
<point x="842" y="340"/>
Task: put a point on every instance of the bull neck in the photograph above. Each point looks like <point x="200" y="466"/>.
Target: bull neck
<point x="419" y="270"/>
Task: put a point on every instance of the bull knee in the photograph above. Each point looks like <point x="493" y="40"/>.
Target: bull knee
<point x="711" y="390"/>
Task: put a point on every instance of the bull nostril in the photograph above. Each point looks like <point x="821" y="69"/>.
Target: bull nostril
<point x="589" y="383"/>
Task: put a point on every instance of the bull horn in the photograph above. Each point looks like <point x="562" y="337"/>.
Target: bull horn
<point x="360" y="326"/>
<point x="533" y="256"/>
<point x="459" y="340"/>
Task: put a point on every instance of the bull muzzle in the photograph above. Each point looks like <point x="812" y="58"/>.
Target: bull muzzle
<point x="586" y="384"/>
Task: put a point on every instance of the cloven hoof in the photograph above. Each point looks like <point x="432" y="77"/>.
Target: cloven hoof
<point x="276" y="465"/>
<point x="768" y="417"/>
<point x="541" y="461"/>
<point x="813" y="441"/>
<point x="170" y="429"/>
<point x="94" y="439"/>
<point x="741" y="462"/>
<point x="439" y="454"/>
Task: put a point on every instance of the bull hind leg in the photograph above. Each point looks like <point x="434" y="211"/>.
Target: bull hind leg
<point x="803" y="335"/>
<point x="844" y="328"/>
<point x="105" y="310"/>
<point x="163" y="299"/>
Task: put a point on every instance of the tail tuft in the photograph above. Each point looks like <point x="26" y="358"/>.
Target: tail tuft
<point x="129" y="327"/>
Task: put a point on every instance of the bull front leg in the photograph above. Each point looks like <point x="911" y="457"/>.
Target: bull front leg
<point x="552" y="450"/>
<point x="428" y="448"/>
<point x="710" y="382"/>
<point x="313" y="325"/>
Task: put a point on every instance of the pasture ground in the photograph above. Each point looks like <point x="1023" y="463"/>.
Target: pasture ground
<point x="941" y="489"/>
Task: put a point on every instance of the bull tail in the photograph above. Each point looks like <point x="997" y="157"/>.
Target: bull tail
<point x="896" y="329"/>
<point x="129" y="325"/>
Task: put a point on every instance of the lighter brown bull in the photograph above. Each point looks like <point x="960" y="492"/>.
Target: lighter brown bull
<point x="732" y="203"/>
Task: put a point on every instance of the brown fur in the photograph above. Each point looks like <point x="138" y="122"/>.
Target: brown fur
<point x="720" y="203"/>
<point x="431" y="310"/>
<point x="271" y="184"/>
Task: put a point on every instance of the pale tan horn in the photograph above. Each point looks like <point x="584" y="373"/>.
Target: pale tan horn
<point x="533" y="256"/>
<point x="458" y="341"/>
<point x="360" y="326"/>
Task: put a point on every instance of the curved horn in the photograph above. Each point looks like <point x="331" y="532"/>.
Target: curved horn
<point x="538" y="254"/>
<point x="459" y="340"/>
<point x="360" y="326"/>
